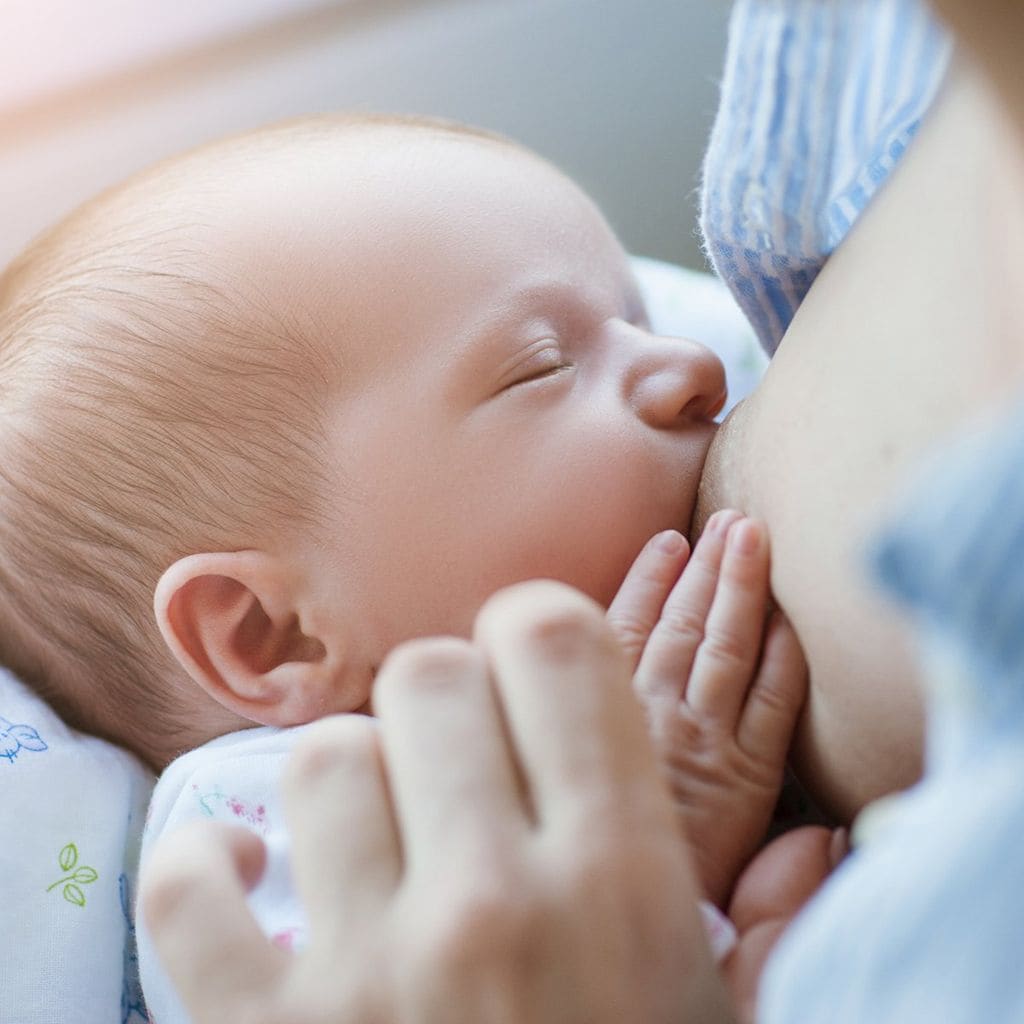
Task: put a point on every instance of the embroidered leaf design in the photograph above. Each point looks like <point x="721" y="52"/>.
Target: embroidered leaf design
<point x="74" y="895"/>
<point x="68" y="857"/>
<point x="28" y="737"/>
<point x="85" y="875"/>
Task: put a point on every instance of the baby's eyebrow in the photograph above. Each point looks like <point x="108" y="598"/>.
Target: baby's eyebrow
<point x="562" y="301"/>
<point x="511" y="308"/>
<point x="516" y="299"/>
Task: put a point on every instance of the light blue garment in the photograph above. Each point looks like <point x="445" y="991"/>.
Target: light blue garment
<point x="925" y="923"/>
<point x="819" y="101"/>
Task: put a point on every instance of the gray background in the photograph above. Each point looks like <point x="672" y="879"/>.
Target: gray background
<point x="620" y="93"/>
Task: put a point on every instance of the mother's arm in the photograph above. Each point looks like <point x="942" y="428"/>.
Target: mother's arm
<point x="993" y="31"/>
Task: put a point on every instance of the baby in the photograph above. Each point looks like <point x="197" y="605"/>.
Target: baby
<point x="319" y="389"/>
<point x="311" y="392"/>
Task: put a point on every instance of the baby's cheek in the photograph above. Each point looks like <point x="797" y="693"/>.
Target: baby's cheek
<point x="621" y="521"/>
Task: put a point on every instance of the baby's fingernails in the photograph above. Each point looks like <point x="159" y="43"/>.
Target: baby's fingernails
<point x="745" y="537"/>
<point x="718" y="525"/>
<point x="669" y="542"/>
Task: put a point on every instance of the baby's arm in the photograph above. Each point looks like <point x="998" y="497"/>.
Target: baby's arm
<point x="723" y="683"/>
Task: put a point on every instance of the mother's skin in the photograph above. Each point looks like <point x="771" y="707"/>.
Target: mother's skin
<point x="892" y="350"/>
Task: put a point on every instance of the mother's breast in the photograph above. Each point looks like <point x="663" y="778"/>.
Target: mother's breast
<point x="895" y="346"/>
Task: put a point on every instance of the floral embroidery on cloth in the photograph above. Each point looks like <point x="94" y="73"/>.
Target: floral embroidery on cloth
<point x="16" y="737"/>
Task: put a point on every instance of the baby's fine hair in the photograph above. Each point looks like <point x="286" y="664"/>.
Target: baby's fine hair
<point x="147" y="411"/>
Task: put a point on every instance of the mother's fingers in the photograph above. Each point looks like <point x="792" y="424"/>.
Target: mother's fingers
<point x="565" y="687"/>
<point x="199" y="876"/>
<point x="452" y="774"/>
<point x="346" y="855"/>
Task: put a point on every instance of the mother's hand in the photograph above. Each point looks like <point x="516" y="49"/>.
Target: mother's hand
<point x="498" y="847"/>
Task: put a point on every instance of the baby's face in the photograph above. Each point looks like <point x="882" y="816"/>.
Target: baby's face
<point x="502" y="411"/>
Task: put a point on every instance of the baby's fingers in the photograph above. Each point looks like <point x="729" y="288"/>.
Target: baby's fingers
<point x="637" y="606"/>
<point x="777" y="696"/>
<point x="669" y="655"/>
<point x="727" y="660"/>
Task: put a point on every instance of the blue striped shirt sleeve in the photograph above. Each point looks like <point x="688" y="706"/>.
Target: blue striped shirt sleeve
<point x="818" y="103"/>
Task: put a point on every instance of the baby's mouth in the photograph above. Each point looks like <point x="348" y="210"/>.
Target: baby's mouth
<point x="712" y="494"/>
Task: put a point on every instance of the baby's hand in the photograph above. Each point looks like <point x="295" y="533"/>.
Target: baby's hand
<point x="770" y="892"/>
<point x="722" y="681"/>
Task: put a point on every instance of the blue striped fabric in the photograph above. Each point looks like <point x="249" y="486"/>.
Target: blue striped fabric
<point x="819" y="101"/>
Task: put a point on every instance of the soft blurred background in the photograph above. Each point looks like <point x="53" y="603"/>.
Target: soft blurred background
<point x="619" y="93"/>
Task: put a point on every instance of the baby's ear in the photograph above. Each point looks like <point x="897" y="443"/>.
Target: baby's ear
<point x="234" y="621"/>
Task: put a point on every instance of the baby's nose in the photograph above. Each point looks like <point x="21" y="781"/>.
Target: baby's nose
<point x="674" y="382"/>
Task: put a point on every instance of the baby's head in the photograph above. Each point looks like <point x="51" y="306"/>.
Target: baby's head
<point x="310" y="392"/>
